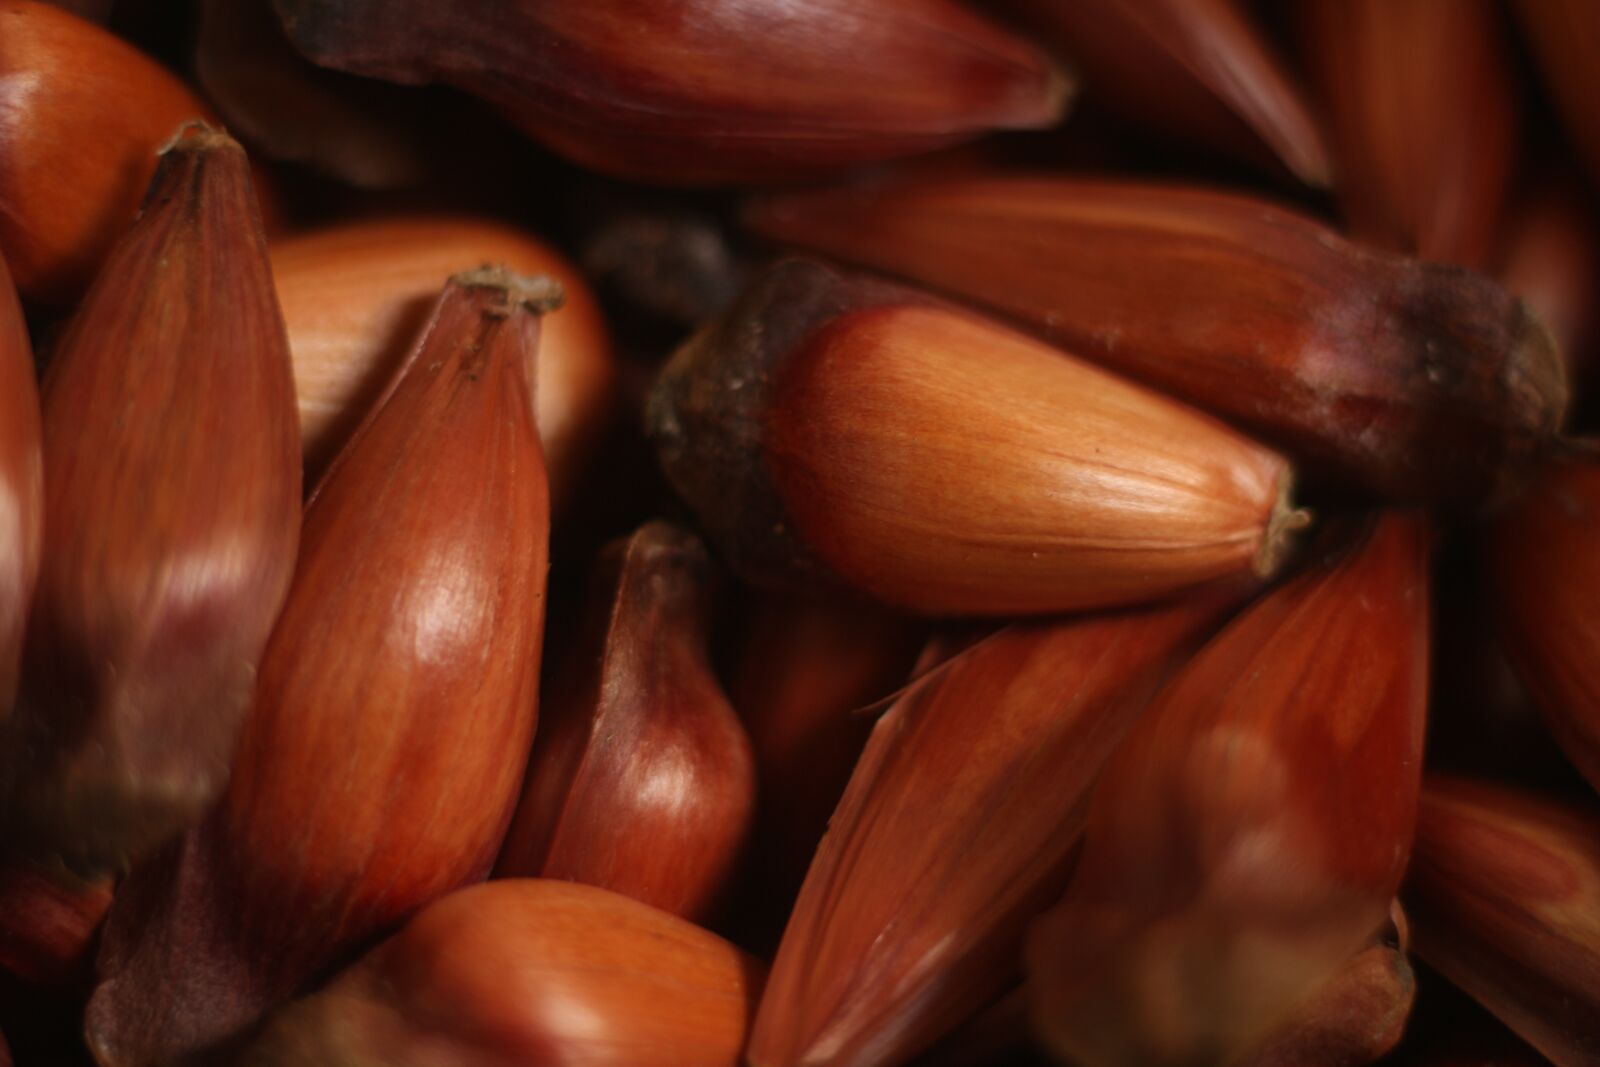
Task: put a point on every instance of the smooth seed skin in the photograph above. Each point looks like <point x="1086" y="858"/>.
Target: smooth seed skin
<point x="837" y="429"/>
<point x="705" y="92"/>
<point x="527" y="971"/>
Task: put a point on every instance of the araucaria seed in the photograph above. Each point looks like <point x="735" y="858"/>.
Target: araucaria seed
<point x="835" y="428"/>
<point x="1249" y="836"/>
<point x="394" y="710"/>
<point x="172" y="512"/>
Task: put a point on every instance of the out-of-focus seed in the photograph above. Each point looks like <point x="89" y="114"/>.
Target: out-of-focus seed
<point x="1423" y="108"/>
<point x="1247" y="839"/>
<point x="172" y="508"/>
<point x="709" y="91"/>
<point x="1504" y="895"/>
<point x="1194" y="70"/>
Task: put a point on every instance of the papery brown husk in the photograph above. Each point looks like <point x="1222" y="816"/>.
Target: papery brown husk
<point x="960" y="824"/>
<point x="46" y="928"/>
<point x="1564" y="36"/>
<point x="642" y="780"/>
<point x="804" y="670"/>
<point x="1197" y="71"/>
<point x="1543" y="560"/>
<point x="356" y="293"/>
<point x="1248" y="837"/>
<point x="1410" y="380"/>
<point x="836" y="429"/>
<point x="396" y="702"/>
<point x="527" y="971"/>
<point x="1358" y="1016"/>
<point x="710" y="92"/>
<point x="1503" y="894"/>
<point x="82" y="115"/>
<point x="1423" y="108"/>
<point x="172" y="501"/>
<point x="21" y="487"/>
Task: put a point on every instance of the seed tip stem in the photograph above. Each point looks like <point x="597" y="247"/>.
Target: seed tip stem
<point x="539" y="294"/>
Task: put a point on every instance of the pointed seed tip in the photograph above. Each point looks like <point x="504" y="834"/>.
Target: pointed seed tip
<point x="539" y="294"/>
<point x="197" y="135"/>
<point x="1286" y="521"/>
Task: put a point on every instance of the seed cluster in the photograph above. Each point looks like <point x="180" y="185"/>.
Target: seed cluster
<point x="745" y="533"/>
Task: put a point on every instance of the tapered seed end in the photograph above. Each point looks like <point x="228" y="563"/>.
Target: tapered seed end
<point x="1283" y="526"/>
<point x="538" y="294"/>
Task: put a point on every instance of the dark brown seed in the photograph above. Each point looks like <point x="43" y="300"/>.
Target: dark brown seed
<point x="1503" y="892"/>
<point x="1565" y="35"/>
<point x="1544" y="569"/>
<point x="1410" y="380"/>
<point x="1423" y="108"/>
<point x="46" y="928"/>
<point x="704" y="91"/>
<point x="806" y="668"/>
<point x="642" y="780"/>
<point x="1194" y="70"/>
<point x="1248" y="837"/>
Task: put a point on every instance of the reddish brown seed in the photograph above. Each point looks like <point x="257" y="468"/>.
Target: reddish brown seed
<point x="46" y="928"/>
<point x="959" y="825"/>
<point x="172" y="501"/>
<point x="355" y="294"/>
<point x="82" y="115"/>
<point x="1422" y="106"/>
<point x="1411" y="380"/>
<point x="396" y="701"/>
<point x="1194" y="70"/>
<point x="1565" y="37"/>
<point x="806" y="667"/>
<point x="704" y="91"/>
<point x="834" y="428"/>
<point x="1248" y="837"/>
<point x="1358" y="1016"/>
<point x="21" y="487"/>
<point x="642" y="780"/>
<point x="1544" y="565"/>
<point x="528" y="972"/>
<point x="355" y="130"/>
<point x="1504" y="894"/>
